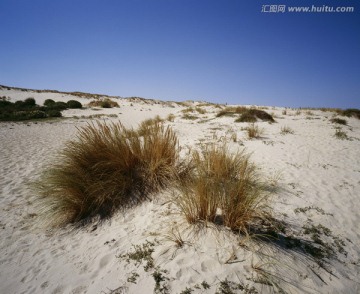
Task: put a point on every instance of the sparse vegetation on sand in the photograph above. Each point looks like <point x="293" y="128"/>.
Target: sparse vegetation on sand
<point x="104" y="103"/>
<point x="231" y="111"/>
<point x="351" y="112"/>
<point x="286" y="130"/>
<point x="339" y="121"/>
<point x="253" y="131"/>
<point x="253" y="115"/>
<point x="223" y="188"/>
<point x="107" y="168"/>
<point x="339" y="134"/>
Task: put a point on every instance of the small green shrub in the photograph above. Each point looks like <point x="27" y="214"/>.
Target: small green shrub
<point x="59" y="105"/>
<point x="53" y="113"/>
<point x="29" y="102"/>
<point x="351" y="112"/>
<point x="73" y="104"/>
<point x="339" y="134"/>
<point x="4" y="103"/>
<point x="36" y="114"/>
<point x="339" y="121"/>
<point x="19" y="105"/>
<point x="105" y="104"/>
<point x="246" y="117"/>
<point x="231" y="111"/>
<point x="252" y="115"/>
<point x="23" y="110"/>
<point x="286" y="130"/>
<point x="49" y="102"/>
<point x="141" y="253"/>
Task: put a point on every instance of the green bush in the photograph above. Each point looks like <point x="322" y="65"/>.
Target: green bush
<point x="105" y="104"/>
<point x="29" y="102"/>
<point x="252" y="115"/>
<point x="5" y="103"/>
<point x="36" y="114"/>
<point x="339" y="121"/>
<point x="27" y="110"/>
<point x="107" y="168"/>
<point x="352" y="112"/>
<point x="19" y="105"/>
<point x="74" y="104"/>
<point x="53" y="113"/>
<point x="247" y="117"/>
<point x="49" y="102"/>
<point x="58" y="106"/>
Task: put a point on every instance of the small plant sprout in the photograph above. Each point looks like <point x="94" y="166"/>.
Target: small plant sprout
<point x="253" y="131"/>
<point x="339" y="134"/>
<point x="286" y="130"/>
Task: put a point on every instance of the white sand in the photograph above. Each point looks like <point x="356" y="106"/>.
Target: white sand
<point x="316" y="170"/>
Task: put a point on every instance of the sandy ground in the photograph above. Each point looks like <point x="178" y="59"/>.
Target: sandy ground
<point x="317" y="174"/>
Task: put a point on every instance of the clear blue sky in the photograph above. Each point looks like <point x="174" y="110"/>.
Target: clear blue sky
<point x="213" y="50"/>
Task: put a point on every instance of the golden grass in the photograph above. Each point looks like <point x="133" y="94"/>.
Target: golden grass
<point x="253" y="131"/>
<point x="231" y="111"/>
<point x="104" y="103"/>
<point x="223" y="188"/>
<point x="286" y="130"/>
<point x="108" y="167"/>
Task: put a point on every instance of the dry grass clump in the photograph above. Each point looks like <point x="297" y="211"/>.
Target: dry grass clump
<point x="104" y="103"/>
<point x="231" y="111"/>
<point x="150" y="122"/>
<point x="200" y="110"/>
<point x="187" y="110"/>
<point x="252" y="115"/>
<point x="339" y="134"/>
<point x="189" y="116"/>
<point x="191" y="109"/>
<point x="171" y="117"/>
<point x="223" y="188"/>
<point x="108" y="167"/>
<point x="253" y="131"/>
<point x="286" y="130"/>
<point x="351" y="112"/>
<point x="339" y="121"/>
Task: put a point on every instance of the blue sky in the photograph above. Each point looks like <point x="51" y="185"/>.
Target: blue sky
<point x="224" y="51"/>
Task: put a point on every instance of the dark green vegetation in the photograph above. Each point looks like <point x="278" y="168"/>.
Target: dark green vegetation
<point x="351" y="112"/>
<point x="246" y="114"/>
<point x="253" y="115"/>
<point x="339" y="121"/>
<point x="29" y="110"/>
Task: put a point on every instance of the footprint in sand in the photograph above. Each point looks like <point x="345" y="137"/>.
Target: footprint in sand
<point x="105" y="260"/>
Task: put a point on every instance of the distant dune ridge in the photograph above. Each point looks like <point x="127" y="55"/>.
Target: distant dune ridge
<point x="294" y="178"/>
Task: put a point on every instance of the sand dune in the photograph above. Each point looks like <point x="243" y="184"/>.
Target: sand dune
<point x="318" y="176"/>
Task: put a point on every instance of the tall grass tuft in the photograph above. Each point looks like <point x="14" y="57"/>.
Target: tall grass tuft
<point x="223" y="188"/>
<point x="253" y="131"/>
<point x="108" y="167"/>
